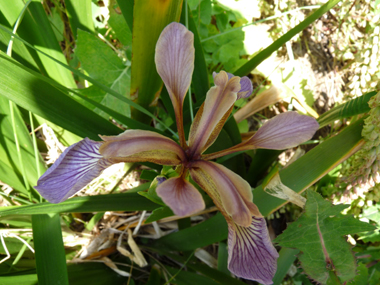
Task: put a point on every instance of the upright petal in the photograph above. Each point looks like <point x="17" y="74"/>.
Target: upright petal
<point x="214" y="112"/>
<point x="251" y="254"/>
<point x="181" y="196"/>
<point x="175" y="64"/>
<point x="140" y="146"/>
<point x="230" y="193"/>
<point x="246" y="87"/>
<point x="286" y="130"/>
<point x="77" y="166"/>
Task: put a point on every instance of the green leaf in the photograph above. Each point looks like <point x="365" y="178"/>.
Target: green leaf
<point x="200" y="81"/>
<point x="351" y="108"/>
<point x="284" y="262"/>
<point x="32" y="92"/>
<point x="319" y="234"/>
<point x="119" y="25"/>
<point x="126" y="7"/>
<point x="205" y="233"/>
<point x="35" y="28"/>
<point x="361" y="277"/>
<point x="264" y="54"/>
<point x="57" y="24"/>
<point x="50" y="252"/>
<point x="11" y="172"/>
<point x="182" y="277"/>
<point x="111" y="202"/>
<point x="159" y="214"/>
<point x="80" y="15"/>
<point x="103" y="64"/>
<point x="145" y="81"/>
<point x="19" y="51"/>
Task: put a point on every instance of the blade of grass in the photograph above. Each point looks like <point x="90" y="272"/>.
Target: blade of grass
<point x="286" y="259"/>
<point x="31" y="91"/>
<point x="264" y="54"/>
<point x="50" y="252"/>
<point x="94" y="82"/>
<point x="37" y="30"/>
<point x="129" y="201"/>
<point x="351" y="108"/>
<point x="80" y="16"/>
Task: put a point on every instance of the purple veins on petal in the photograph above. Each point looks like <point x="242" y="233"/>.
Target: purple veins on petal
<point x="77" y="166"/>
<point x="251" y="254"/>
<point x="286" y="130"/>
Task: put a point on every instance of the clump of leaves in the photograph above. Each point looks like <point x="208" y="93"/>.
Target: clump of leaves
<point x="319" y="234"/>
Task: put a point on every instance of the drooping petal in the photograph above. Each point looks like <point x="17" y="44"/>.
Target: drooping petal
<point x="140" y="146"/>
<point x="181" y="196"/>
<point x="77" y="166"/>
<point x="286" y="130"/>
<point x="230" y="193"/>
<point x="246" y="87"/>
<point x="175" y="64"/>
<point x="214" y="112"/>
<point x="251" y="254"/>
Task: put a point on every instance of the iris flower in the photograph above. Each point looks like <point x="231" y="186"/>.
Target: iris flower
<point x="251" y="253"/>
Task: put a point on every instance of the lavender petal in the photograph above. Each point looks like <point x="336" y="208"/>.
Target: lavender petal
<point x="181" y="196"/>
<point x="251" y="254"/>
<point x="77" y="166"/>
<point x="284" y="131"/>
<point x="246" y="87"/>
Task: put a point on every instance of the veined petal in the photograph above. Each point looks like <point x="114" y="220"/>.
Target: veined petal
<point x="139" y="146"/>
<point x="175" y="64"/>
<point x="251" y="254"/>
<point x="214" y="112"/>
<point x="246" y="87"/>
<point x="181" y="196"/>
<point x="77" y="166"/>
<point x="229" y="191"/>
<point x="286" y="130"/>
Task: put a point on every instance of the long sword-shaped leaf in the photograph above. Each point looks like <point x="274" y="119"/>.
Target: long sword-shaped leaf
<point x="8" y="151"/>
<point x="80" y="15"/>
<point x="50" y="252"/>
<point x="351" y="108"/>
<point x="146" y="84"/>
<point x="101" y="203"/>
<point x="31" y="91"/>
<point x="94" y="82"/>
<point x="36" y="29"/>
<point x="264" y="54"/>
<point x="298" y="176"/>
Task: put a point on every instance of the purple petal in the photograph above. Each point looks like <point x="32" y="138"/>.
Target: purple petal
<point x="181" y="196"/>
<point x="246" y="87"/>
<point x="140" y="146"/>
<point x="251" y="254"/>
<point x="175" y="60"/>
<point x="286" y="130"/>
<point x="77" y="166"/>
<point x="213" y="113"/>
<point x="230" y="193"/>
